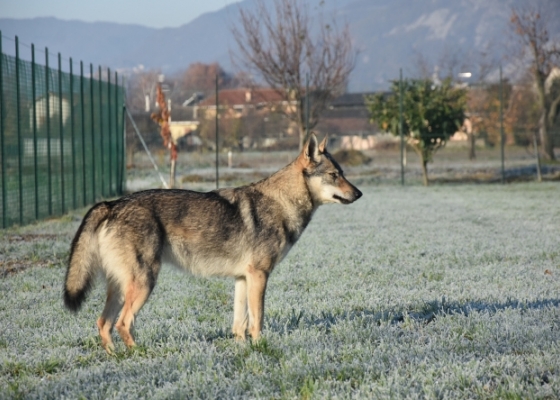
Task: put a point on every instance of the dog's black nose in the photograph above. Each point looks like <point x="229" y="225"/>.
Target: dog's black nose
<point x="358" y="194"/>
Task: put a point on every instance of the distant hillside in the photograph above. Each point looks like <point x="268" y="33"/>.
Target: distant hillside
<point x="389" y="34"/>
<point x="103" y="43"/>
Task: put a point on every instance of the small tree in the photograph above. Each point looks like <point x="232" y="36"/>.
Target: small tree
<point x="282" y="44"/>
<point x="431" y="115"/>
<point x="544" y="54"/>
<point x="467" y="69"/>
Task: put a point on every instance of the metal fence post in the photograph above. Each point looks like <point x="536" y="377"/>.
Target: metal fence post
<point x="306" y="106"/>
<point x="122" y="180"/>
<point x="83" y="131"/>
<point x="72" y="134"/>
<point x="217" y="134"/>
<point x="123" y="138"/>
<point x="110" y="132"/>
<point x="401" y="124"/>
<point x="2" y="138"/>
<point x="19" y="138"/>
<point x="34" y="127"/>
<point x="61" y="134"/>
<point x="48" y="124"/>
<point x="502" y="126"/>
<point x="117" y="140"/>
<point x="102" y="155"/>
<point x="34" y="102"/>
<point x="92" y="133"/>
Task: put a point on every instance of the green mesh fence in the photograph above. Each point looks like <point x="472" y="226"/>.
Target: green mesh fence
<point x="61" y="139"/>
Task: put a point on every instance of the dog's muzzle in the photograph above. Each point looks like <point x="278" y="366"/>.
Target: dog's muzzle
<point x="354" y="195"/>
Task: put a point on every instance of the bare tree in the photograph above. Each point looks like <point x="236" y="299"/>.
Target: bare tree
<point x="201" y="77"/>
<point x="282" y="44"/>
<point x="544" y="53"/>
<point x="141" y="89"/>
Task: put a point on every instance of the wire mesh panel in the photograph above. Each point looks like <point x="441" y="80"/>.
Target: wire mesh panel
<point x="61" y="138"/>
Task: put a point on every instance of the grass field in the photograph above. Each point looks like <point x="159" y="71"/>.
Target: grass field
<point x="451" y="291"/>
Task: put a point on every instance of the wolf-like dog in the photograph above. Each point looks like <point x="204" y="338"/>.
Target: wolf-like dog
<point x="237" y="232"/>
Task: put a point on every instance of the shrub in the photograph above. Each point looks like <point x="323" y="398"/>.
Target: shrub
<point x="352" y="158"/>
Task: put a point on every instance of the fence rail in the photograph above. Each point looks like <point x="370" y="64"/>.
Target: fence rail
<point x="61" y="137"/>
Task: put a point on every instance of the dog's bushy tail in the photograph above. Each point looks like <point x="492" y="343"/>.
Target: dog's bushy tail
<point x="84" y="258"/>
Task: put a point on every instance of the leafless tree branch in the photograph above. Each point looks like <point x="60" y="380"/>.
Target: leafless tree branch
<point x="281" y="44"/>
<point x="531" y="29"/>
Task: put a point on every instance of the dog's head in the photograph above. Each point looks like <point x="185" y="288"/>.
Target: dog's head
<point x="325" y="179"/>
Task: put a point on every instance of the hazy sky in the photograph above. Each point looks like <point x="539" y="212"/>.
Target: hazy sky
<point x="153" y="13"/>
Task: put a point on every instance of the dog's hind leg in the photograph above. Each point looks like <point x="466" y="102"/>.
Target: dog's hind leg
<point x="240" y="309"/>
<point x="107" y="319"/>
<point x="256" y="286"/>
<point x="135" y="295"/>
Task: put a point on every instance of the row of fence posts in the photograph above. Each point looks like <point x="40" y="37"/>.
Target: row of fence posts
<point x="117" y="174"/>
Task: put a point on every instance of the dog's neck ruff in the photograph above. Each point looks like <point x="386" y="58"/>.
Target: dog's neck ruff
<point x="289" y="188"/>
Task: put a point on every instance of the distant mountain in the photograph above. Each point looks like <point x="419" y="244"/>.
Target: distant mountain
<point x="103" y="43"/>
<point x="389" y="34"/>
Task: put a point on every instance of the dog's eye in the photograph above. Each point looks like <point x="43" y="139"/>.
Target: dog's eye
<point x="334" y="175"/>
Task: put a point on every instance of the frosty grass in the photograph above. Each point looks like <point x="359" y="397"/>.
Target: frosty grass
<point x="441" y="292"/>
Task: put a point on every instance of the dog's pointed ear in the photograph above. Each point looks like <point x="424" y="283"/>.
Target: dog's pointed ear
<point x="323" y="145"/>
<point x="311" y="149"/>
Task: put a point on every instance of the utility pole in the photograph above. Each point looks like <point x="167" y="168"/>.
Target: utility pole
<point x="401" y="125"/>
<point x="502" y="125"/>
<point x="307" y="106"/>
<point x="217" y="135"/>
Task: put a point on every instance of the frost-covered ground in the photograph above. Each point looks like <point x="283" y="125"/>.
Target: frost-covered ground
<point x="441" y="292"/>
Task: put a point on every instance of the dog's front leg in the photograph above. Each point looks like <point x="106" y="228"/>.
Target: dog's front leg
<point x="240" y="309"/>
<point x="256" y="286"/>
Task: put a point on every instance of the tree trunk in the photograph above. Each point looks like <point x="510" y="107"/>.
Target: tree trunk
<point x="130" y="156"/>
<point x="472" y="142"/>
<point x="172" y="174"/>
<point x="537" y="156"/>
<point x="173" y="159"/>
<point x="425" y="171"/>
<point x="544" y="133"/>
<point x="546" y="140"/>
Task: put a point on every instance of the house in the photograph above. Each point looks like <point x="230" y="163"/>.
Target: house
<point x="237" y="102"/>
<point x="181" y="125"/>
<point x="346" y="121"/>
<point x="250" y="117"/>
<point x="53" y="102"/>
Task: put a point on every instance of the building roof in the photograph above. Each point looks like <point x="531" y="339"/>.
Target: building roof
<point x="243" y="96"/>
<point x="341" y="125"/>
<point x="352" y="99"/>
